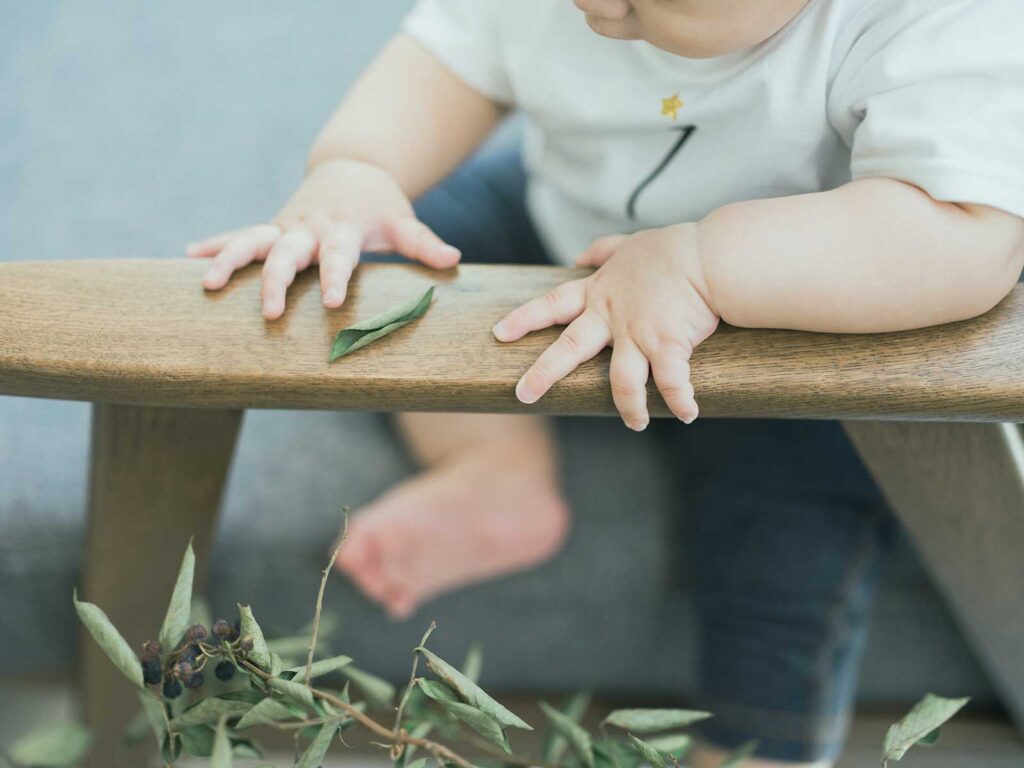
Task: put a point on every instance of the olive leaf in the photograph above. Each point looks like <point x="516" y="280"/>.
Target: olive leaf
<point x="674" y="744"/>
<point x="197" y="740"/>
<point x="241" y="747"/>
<point x="259" y="654"/>
<point x="480" y="722"/>
<point x="743" y="753"/>
<point x="380" y="693"/>
<point x="648" y="753"/>
<point x="470" y="692"/>
<point x="179" y="609"/>
<point x="571" y="731"/>
<point x="171" y="748"/>
<point x="221" y="756"/>
<point x="473" y="663"/>
<point x="268" y="711"/>
<point x="555" y="743"/>
<point x="154" y="714"/>
<point x="109" y="639"/>
<point x="276" y="664"/>
<point x="322" y="667"/>
<point x="419" y="763"/>
<point x="59" y="745"/>
<point x="368" y="331"/>
<point x="651" y="720"/>
<point x="292" y="690"/>
<point x="436" y="691"/>
<point x="920" y="724"/>
<point x="206" y="711"/>
<point x="314" y="754"/>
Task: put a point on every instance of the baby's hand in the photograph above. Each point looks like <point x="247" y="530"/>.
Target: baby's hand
<point x="648" y="300"/>
<point x="343" y="207"/>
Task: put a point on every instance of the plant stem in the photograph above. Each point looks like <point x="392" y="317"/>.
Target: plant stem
<point x="320" y="601"/>
<point x="403" y="736"/>
<point x="408" y="689"/>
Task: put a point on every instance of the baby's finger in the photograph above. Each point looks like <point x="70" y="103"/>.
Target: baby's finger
<point x="339" y="254"/>
<point x="599" y="251"/>
<point x="557" y="307"/>
<point x="415" y="240"/>
<point x="292" y="253"/>
<point x="211" y="246"/>
<point x="671" y="369"/>
<point x="628" y="377"/>
<point x="584" y="338"/>
<point x="249" y="245"/>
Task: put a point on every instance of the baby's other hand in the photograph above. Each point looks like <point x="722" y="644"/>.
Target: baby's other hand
<point x="344" y="207"/>
<point x="648" y="301"/>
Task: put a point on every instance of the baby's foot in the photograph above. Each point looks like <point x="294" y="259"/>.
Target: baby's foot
<point x="463" y="522"/>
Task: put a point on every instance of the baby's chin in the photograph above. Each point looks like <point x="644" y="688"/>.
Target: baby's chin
<point x="622" y="30"/>
<point x="615" y="30"/>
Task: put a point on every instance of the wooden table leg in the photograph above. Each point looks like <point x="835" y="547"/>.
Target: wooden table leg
<point x="959" y="491"/>
<point x="156" y="478"/>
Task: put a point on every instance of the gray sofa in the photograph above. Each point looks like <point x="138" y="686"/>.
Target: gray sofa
<point x="611" y="612"/>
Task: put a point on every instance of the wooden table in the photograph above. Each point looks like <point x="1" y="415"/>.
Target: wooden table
<point x="170" y="370"/>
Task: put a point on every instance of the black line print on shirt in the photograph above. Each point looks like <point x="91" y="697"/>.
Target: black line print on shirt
<point x="686" y="132"/>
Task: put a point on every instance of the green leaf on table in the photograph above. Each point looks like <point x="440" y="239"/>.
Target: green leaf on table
<point x="651" y="720"/>
<point x="470" y="692"/>
<point x="919" y="724"/>
<point x="245" y="748"/>
<point x="221" y="756"/>
<point x="207" y="711"/>
<point x="109" y="639"/>
<point x="260" y="654"/>
<point x="378" y="692"/>
<point x="179" y="609"/>
<point x="480" y="722"/>
<point x="313" y="757"/>
<point x="743" y="753"/>
<point x="268" y="711"/>
<point x="298" y="692"/>
<point x="436" y="691"/>
<point x="244" y="694"/>
<point x="648" y="753"/>
<point x="368" y="331"/>
<point x="319" y="668"/>
<point x="58" y="745"/>
<point x="555" y="743"/>
<point x="570" y="730"/>
<point x="473" y="663"/>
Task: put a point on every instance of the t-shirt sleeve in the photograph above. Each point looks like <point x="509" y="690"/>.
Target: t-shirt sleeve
<point x="931" y="92"/>
<point x="464" y="36"/>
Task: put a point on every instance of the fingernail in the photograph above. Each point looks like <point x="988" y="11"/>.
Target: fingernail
<point x="689" y="420"/>
<point x="524" y="395"/>
<point x="451" y="250"/>
<point x="271" y="306"/>
<point x="332" y="296"/>
<point x="211" y="276"/>
<point x="499" y="330"/>
<point x="639" y="427"/>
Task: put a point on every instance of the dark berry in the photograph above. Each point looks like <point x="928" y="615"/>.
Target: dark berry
<point x="195" y="681"/>
<point x="196" y="633"/>
<point x="151" y="671"/>
<point x="222" y="629"/>
<point x="172" y="688"/>
<point x="150" y="649"/>
<point x="190" y="654"/>
<point x="225" y="670"/>
<point x="247" y="643"/>
<point x="183" y="670"/>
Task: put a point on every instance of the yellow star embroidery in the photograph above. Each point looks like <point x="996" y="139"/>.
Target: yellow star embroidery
<point x="671" y="105"/>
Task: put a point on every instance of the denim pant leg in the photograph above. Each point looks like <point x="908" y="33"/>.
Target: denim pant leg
<point x="784" y="535"/>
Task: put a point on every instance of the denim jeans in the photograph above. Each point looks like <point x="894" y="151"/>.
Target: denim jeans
<point x="781" y="532"/>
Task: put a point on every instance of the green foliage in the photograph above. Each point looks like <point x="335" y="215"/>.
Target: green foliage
<point x="368" y="331"/>
<point x="258" y="690"/>
<point x="919" y="726"/>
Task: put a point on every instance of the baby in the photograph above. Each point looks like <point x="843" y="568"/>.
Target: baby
<point x="845" y="166"/>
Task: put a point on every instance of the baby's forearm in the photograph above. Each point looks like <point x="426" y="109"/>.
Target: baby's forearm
<point x="874" y="255"/>
<point x="408" y="115"/>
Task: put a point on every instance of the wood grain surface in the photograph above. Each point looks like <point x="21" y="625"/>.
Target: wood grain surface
<point x="144" y="332"/>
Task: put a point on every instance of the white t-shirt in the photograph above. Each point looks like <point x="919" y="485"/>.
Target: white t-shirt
<point x="622" y="135"/>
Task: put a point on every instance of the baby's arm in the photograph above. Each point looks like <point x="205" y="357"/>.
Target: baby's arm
<point x="874" y="255"/>
<point x="405" y="124"/>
